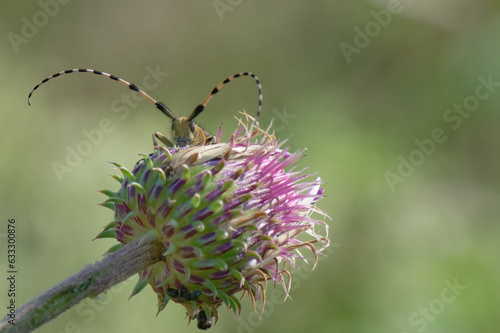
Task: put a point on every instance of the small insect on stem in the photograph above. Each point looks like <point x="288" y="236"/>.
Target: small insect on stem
<point x="204" y="323"/>
<point x="185" y="132"/>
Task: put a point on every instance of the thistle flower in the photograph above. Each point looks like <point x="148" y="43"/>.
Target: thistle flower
<point x="230" y="216"/>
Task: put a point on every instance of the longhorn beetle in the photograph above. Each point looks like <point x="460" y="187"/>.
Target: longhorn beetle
<point x="185" y="132"/>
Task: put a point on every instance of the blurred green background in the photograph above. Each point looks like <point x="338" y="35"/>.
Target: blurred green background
<point x="391" y="99"/>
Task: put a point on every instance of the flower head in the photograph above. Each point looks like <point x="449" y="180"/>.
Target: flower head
<point x="231" y="216"/>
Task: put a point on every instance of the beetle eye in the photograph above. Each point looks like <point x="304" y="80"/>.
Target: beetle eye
<point x="192" y="127"/>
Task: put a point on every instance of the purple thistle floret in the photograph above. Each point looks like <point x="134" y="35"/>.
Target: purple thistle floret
<point x="230" y="215"/>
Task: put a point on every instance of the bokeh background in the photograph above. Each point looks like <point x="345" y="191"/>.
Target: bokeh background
<point x="391" y="98"/>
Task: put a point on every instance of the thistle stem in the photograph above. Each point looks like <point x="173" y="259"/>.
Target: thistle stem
<point x="89" y="282"/>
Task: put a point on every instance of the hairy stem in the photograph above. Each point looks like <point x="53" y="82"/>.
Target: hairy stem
<point x="89" y="282"/>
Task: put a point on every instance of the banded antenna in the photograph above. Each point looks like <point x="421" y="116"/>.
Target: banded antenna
<point x="197" y="110"/>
